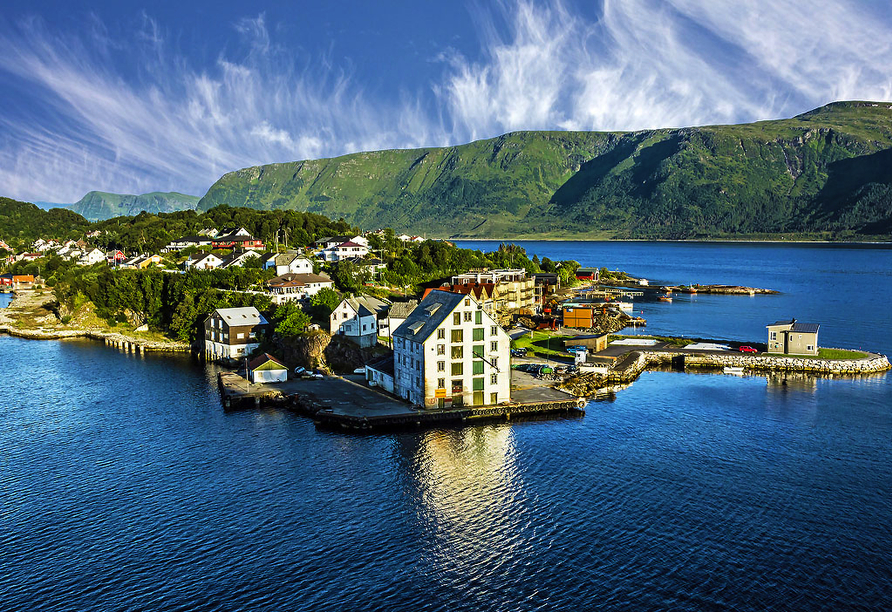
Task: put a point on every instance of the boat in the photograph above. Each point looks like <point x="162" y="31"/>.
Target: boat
<point x="736" y="370"/>
<point x="665" y="298"/>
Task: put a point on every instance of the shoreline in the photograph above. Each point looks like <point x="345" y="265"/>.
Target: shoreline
<point x="50" y="331"/>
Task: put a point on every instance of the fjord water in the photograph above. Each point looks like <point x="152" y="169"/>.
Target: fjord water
<point x="124" y="486"/>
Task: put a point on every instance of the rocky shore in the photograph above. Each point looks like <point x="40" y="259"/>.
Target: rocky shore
<point x="30" y="315"/>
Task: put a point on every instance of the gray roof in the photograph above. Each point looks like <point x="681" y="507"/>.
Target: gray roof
<point x="401" y="310"/>
<point x="806" y="328"/>
<point x="801" y="328"/>
<point x="367" y="304"/>
<point x="446" y="304"/>
<point x="247" y="315"/>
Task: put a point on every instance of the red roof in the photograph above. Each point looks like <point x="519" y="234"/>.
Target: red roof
<point x="261" y="359"/>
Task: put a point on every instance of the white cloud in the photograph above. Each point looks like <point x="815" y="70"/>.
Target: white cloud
<point x="642" y="64"/>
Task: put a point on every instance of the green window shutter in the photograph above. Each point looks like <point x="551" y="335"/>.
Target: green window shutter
<point x="457" y="368"/>
<point x="478" y="318"/>
<point x="478" y="384"/>
<point x="478" y="369"/>
<point x="478" y="333"/>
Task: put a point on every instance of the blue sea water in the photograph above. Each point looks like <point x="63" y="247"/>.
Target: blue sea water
<point x="124" y="486"/>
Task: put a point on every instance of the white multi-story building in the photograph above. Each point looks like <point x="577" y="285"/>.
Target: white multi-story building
<point x="345" y="250"/>
<point x="288" y="263"/>
<point x="449" y="353"/>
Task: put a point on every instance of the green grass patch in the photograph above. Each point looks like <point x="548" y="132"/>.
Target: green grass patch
<point x="829" y="353"/>
<point x="545" y="345"/>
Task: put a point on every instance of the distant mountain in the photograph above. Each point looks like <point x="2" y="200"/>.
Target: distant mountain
<point x="98" y="205"/>
<point x="49" y="205"/>
<point x="825" y="173"/>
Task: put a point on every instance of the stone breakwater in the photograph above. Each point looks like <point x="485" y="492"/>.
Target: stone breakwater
<point x="125" y="343"/>
<point x="628" y="368"/>
<point x="632" y="369"/>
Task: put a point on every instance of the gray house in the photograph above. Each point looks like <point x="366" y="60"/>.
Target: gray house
<point x="793" y="338"/>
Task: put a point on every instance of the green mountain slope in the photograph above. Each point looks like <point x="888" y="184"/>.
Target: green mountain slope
<point x="824" y="173"/>
<point x="98" y="205"/>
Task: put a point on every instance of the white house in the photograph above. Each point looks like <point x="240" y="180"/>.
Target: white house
<point x="203" y="261"/>
<point x="397" y="313"/>
<point x="450" y="353"/>
<point x="93" y="257"/>
<point x="357" y="317"/>
<point x="289" y="262"/>
<point x="186" y="241"/>
<point x="297" y="286"/>
<point x="345" y="250"/>
<point x="232" y="333"/>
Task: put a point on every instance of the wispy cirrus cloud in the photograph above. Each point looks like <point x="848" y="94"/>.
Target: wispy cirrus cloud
<point x="83" y="121"/>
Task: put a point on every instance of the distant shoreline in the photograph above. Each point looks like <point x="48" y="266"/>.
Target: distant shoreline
<point x="689" y="241"/>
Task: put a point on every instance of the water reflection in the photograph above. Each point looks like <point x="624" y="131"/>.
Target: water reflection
<point x="469" y="498"/>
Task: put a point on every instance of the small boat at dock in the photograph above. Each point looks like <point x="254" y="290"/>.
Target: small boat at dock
<point x="735" y="370"/>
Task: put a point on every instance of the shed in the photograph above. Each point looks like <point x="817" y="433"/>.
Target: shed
<point x="593" y="343"/>
<point x="267" y="369"/>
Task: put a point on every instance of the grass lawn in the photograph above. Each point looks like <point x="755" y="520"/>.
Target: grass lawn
<point x="545" y="345"/>
<point x="828" y="353"/>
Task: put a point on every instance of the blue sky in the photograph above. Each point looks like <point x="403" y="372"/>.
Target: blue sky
<point x="128" y="97"/>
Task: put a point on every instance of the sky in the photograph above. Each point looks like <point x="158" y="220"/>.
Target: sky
<point x="127" y="97"/>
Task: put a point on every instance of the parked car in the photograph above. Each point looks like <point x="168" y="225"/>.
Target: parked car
<point x="299" y="370"/>
<point x="359" y="370"/>
<point x="311" y="375"/>
<point x="576" y="349"/>
<point x="521" y="352"/>
<point x="747" y="349"/>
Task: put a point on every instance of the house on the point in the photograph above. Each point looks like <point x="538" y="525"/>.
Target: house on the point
<point x="267" y="369"/>
<point x="237" y="259"/>
<point x="233" y="333"/>
<point x="357" y="318"/>
<point x="793" y="338"/>
<point x="380" y="373"/>
<point x="450" y="353"/>
<point x="344" y="250"/>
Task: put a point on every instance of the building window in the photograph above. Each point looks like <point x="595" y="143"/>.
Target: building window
<point x="467" y="301"/>
<point x="364" y="327"/>
<point x="478" y="367"/>
<point x="478" y="318"/>
<point x="810" y="348"/>
<point x="493" y="379"/>
<point x="457" y="335"/>
<point x="458" y="351"/>
<point x="457" y="387"/>
<point x="441" y="366"/>
<point x="441" y="383"/>
<point x="495" y="362"/>
<point x="494" y="330"/>
<point x="458" y="368"/>
<point x="478" y="334"/>
<point x="477" y="351"/>
<point x="494" y="346"/>
<point x="467" y="316"/>
<point x="478" y="384"/>
<point x="493" y="398"/>
<point x="441" y="334"/>
<point x="441" y="349"/>
<point x="774" y="335"/>
<point x="456" y="318"/>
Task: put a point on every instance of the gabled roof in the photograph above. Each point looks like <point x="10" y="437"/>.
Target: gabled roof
<point x="247" y="315"/>
<point x="350" y="243"/>
<point x="293" y="280"/>
<point x="366" y="305"/>
<point x="401" y="310"/>
<point x="800" y="328"/>
<point x="446" y="301"/>
<point x="262" y="359"/>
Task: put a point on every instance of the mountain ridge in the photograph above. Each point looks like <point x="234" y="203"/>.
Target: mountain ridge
<point x="823" y="172"/>
<point x="101" y="205"/>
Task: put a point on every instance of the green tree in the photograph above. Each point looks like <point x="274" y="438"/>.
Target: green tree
<point x="295" y="323"/>
<point x="324" y="302"/>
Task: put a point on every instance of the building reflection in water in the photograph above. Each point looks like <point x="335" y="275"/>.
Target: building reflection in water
<point x="469" y="500"/>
